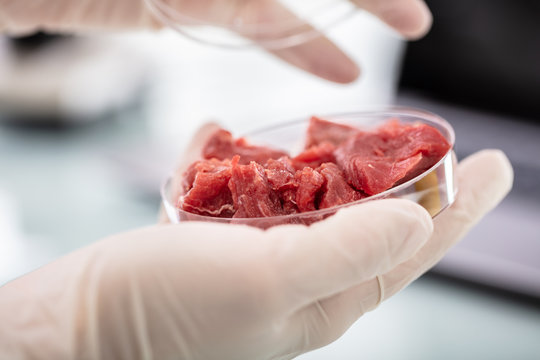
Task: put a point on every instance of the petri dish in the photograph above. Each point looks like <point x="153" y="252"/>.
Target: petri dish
<point x="272" y="24"/>
<point x="435" y="189"/>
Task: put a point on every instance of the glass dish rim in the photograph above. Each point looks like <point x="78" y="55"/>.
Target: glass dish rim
<point x="385" y="111"/>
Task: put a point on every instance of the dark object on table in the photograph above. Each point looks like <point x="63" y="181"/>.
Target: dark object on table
<point x="35" y="41"/>
<point x="55" y="81"/>
<point x="480" y="53"/>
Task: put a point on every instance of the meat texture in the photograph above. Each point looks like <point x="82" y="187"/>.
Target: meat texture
<point x="222" y="145"/>
<point x="206" y="189"/>
<point x="336" y="189"/>
<point x="339" y="165"/>
<point x="251" y="192"/>
<point x="315" y="156"/>
<point x="320" y="131"/>
<point x="376" y="161"/>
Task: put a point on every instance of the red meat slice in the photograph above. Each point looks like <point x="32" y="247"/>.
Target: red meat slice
<point x="222" y="146"/>
<point x="336" y="190"/>
<point x="377" y="175"/>
<point x="280" y="175"/>
<point x="206" y="189"/>
<point x="310" y="183"/>
<point x="408" y="140"/>
<point x="251" y="192"/>
<point x="341" y="165"/>
<point x="315" y="156"/>
<point x="320" y="131"/>
<point x="395" y="153"/>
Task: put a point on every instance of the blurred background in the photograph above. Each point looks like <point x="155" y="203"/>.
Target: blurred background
<point x="91" y="125"/>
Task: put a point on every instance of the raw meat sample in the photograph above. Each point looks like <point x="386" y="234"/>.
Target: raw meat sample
<point x="315" y="156"/>
<point x="251" y="192"/>
<point x="339" y="165"/>
<point x="320" y="131"/>
<point x="374" y="162"/>
<point x="206" y="189"/>
<point x="309" y="183"/>
<point x="222" y="146"/>
<point x="280" y="174"/>
<point x="336" y="190"/>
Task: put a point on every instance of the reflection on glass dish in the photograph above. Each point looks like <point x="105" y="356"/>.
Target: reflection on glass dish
<point x="434" y="189"/>
<point x="268" y="23"/>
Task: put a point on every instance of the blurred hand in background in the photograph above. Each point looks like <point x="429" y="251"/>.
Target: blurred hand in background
<point x="319" y="56"/>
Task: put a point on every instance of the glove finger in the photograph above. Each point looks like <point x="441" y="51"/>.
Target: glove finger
<point x="346" y="249"/>
<point x="411" y="18"/>
<point x="485" y="178"/>
<point x="191" y="154"/>
<point x="318" y="56"/>
<point x="268" y="21"/>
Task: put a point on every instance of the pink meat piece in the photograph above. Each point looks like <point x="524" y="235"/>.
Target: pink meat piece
<point x="310" y="183"/>
<point x="251" y="192"/>
<point x="336" y="190"/>
<point x="373" y="176"/>
<point x="374" y="162"/>
<point x="409" y="140"/>
<point x="280" y="174"/>
<point x="320" y="131"/>
<point x="341" y="165"/>
<point x="205" y="189"/>
<point x="222" y="145"/>
<point x="315" y="156"/>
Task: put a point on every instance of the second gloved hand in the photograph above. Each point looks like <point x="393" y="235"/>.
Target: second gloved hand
<point x="320" y="56"/>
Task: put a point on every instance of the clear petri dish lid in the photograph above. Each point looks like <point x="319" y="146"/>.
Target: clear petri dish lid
<point x="272" y="24"/>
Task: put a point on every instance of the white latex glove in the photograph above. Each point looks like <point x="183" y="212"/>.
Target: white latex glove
<point x="319" y="56"/>
<point x="212" y="291"/>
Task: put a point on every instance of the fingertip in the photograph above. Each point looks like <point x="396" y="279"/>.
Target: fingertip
<point x="321" y="58"/>
<point x="499" y="160"/>
<point x="345" y="74"/>
<point x="485" y="178"/>
<point x="334" y="65"/>
<point x="418" y="214"/>
<point x="415" y="219"/>
<point x="424" y="22"/>
<point x="411" y="18"/>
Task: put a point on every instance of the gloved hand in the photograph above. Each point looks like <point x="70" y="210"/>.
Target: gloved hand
<point x="319" y="56"/>
<point x="212" y="291"/>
